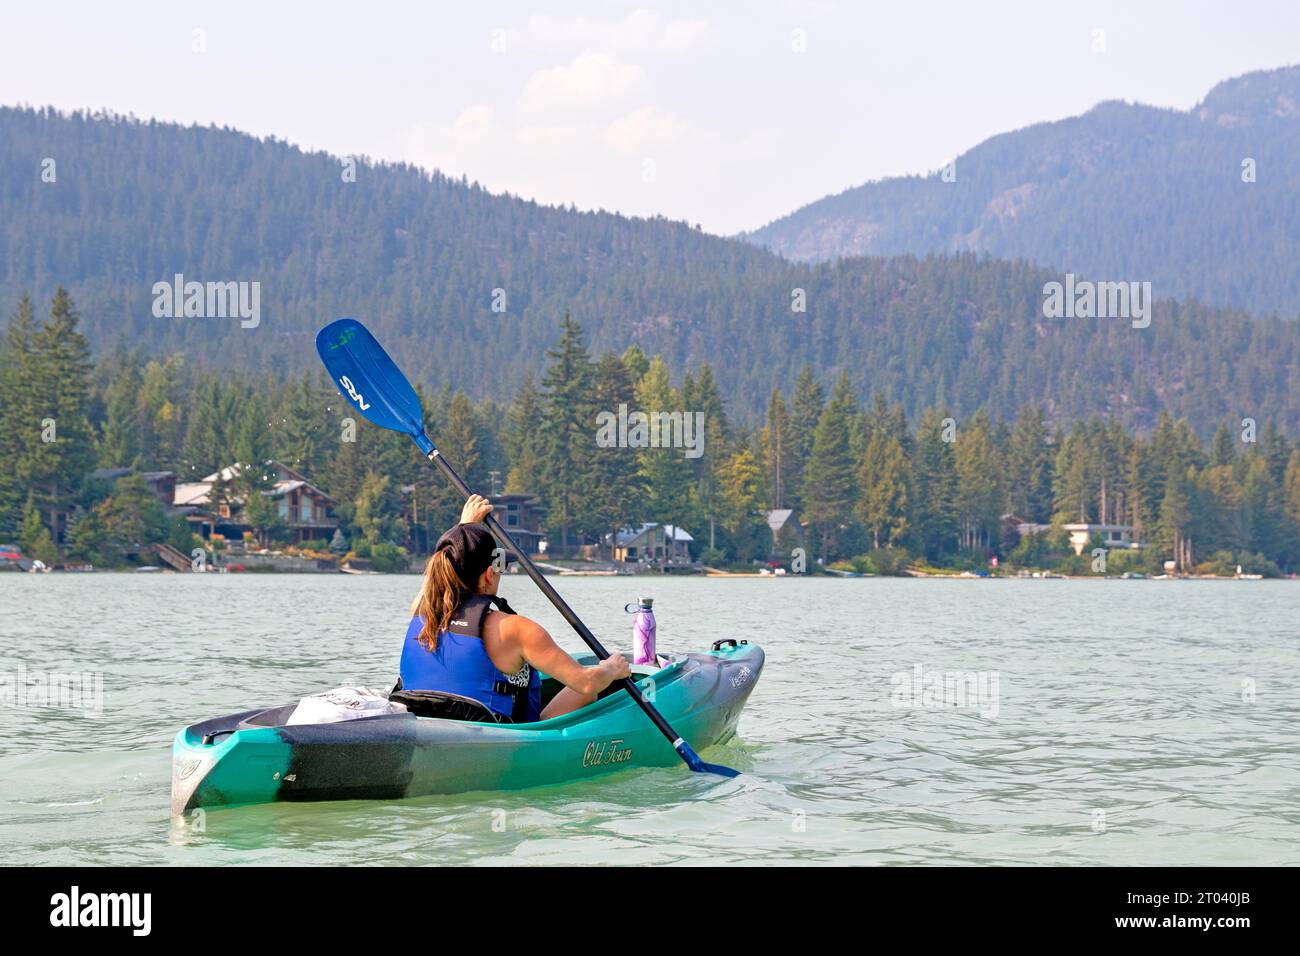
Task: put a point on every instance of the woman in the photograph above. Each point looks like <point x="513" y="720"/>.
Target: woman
<point x="463" y="639"/>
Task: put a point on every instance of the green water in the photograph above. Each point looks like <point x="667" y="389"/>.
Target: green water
<point x="1118" y="722"/>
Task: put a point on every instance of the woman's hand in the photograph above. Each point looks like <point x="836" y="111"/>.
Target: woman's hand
<point x="615" y="667"/>
<point x="476" y="509"/>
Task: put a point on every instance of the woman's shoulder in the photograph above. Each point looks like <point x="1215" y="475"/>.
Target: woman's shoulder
<point x="510" y="623"/>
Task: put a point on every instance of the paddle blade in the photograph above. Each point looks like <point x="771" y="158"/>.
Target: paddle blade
<point x="692" y="759"/>
<point x="370" y="380"/>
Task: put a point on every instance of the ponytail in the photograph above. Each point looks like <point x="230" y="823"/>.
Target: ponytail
<point x="441" y="593"/>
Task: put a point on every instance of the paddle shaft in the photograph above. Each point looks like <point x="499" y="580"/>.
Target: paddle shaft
<point x="554" y="597"/>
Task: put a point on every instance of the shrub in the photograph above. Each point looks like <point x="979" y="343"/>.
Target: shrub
<point x="890" y="562"/>
<point x="389" y="557"/>
<point x="713" y="556"/>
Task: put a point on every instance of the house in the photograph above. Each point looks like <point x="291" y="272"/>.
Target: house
<point x="1112" y="536"/>
<point x="161" y="483"/>
<point x="521" y="514"/>
<point x="212" y="506"/>
<point x="787" y="532"/>
<point x="653" y="542"/>
<point x="1015" y="527"/>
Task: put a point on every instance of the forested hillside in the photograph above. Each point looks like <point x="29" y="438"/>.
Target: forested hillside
<point x="874" y="487"/>
<point x="1123" y="192"/>
<point x="418" y="257"/>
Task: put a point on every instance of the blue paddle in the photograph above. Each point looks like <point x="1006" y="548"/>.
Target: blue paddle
<point x="373" y="384"/>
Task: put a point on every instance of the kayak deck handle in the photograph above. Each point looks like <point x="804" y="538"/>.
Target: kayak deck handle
<point x="723" y="642"/>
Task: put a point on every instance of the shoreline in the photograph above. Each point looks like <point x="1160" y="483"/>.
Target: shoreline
<point x="712" y="574"/>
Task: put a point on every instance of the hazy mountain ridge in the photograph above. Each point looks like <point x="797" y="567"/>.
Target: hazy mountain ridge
<point x="418" y="257"/>
<point x="1124" y="191"/>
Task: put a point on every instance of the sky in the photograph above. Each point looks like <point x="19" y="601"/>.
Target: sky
<point x="726" y="115"/>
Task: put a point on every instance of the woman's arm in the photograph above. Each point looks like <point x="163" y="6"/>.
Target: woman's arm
<point x="539" y="649"/>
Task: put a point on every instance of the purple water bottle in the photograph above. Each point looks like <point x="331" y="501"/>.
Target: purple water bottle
<point x="643" y="631"/>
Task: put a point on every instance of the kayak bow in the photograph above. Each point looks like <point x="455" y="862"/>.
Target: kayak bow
<point x="252" y="757"/>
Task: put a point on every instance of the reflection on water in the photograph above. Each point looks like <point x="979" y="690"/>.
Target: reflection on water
<point x="1118" y="722"/>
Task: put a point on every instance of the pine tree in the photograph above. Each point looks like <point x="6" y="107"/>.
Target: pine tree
<point x="1074" y="483"/>
<point x="740" y="489"/>
<point x="60" y="385"/>
<point x="884" y="490"/>
<point x="805" y="412"/>
<point x="1276" y="450"/>
<point x="160" y="412"/>
<point x="34" y="538"/>
<point x="828" y="483"/>
<point x="568" y="429"/>
<point x="617" y="487"/>
<point x="980" y="496"/>
<point x="121" y="440"/>
<point x="19" y="415"/>
<point x="1291" y="493"/>
<point x="1174" y="519"/>
<point x="774" y="441"/>
<point x="460" y="439"/>
<point x="209" y="444"/>
<point x="132" y="516"/>
<point x="1225" y="448"/>
<point x="1261" y="502"/>
<point x="637" y="363"/>
<point x="935" y="471"/>
<point x="1029" y="467"/>
<point x="302" y="429"/>
<point x="700" y="396"/>
<point x="523" y="438"/>
<point x="666" y="471"/>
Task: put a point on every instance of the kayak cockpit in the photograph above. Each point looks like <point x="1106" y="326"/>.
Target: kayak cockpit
<point x="423" y="705"/>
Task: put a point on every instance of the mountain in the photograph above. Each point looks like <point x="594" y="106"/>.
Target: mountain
<point x="1123" y="192"/>
<point x="417" y="256"/>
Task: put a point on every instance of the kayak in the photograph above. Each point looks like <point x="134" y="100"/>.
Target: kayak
<point x="254" y="757"/>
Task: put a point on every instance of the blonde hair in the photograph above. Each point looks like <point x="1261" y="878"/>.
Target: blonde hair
<point x="441" y="593"/>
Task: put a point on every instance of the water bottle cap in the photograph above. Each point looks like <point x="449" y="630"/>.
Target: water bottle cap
<point x="646" y="602"/>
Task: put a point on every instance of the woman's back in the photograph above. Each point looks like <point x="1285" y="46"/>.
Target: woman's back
<point x="462" y="662"/>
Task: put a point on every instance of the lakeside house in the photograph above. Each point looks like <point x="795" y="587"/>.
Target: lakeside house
<point x="211" y="508"/>
<point x="1112" y="536"/>
<point x="521" y="515"/>
<point x="161" y="483"/>
<point x="652" y="541"/>
<point x="1022" y="527"/>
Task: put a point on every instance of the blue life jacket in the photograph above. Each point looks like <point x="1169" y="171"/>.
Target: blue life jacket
<point x="460" y="664"/>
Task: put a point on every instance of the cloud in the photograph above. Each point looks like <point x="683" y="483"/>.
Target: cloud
<point x="642" y="31"/>
<point x="472" y="125"/>
<point x="644" y="129"/>
<point x="592" y="81"/>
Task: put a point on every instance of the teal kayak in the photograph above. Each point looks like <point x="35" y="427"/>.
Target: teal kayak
<point x="253" y="757"/>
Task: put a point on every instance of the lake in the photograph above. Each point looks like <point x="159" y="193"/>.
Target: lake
<point x="898" y="721"/>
